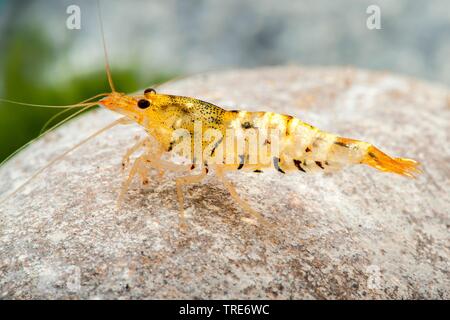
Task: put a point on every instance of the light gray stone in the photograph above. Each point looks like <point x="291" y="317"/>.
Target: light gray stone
<point x="357" y="233"/>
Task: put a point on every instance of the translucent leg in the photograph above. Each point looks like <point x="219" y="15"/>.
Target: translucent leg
<point x="180" y="182"/>
<point x="142" y="165"/>
<point x="138" y="167"/>
<point x="220" y="172"/>
<point x="133" y="149"/>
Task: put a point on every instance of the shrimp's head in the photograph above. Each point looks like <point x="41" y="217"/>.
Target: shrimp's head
<point x="137" y="108"/>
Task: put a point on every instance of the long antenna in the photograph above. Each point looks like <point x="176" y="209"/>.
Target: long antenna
<point x="49" y="121"/>
<point x="85" y="104"/>
<point x="46" y="106"/>
<point x="109" y="126"/>
<point x="105" y="52"/>
<point x="45" y="132"/>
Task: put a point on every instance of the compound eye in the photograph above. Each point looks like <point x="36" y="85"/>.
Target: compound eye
<point x="149" y="91"/>
<point x="143" y="103"/>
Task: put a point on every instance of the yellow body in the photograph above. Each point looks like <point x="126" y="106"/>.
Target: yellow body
<point x="302" y="147"/>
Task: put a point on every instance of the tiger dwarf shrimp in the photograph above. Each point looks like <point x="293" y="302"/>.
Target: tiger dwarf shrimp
<point x="301" y="147"/>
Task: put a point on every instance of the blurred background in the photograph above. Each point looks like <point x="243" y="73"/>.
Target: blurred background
<point x="42" y="61"/>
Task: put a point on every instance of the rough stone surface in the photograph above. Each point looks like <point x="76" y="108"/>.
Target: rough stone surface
<point x="357" y="234"/>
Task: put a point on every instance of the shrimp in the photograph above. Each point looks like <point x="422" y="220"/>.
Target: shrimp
<point x="303" y="148"/>
<point x="300" y="147"/>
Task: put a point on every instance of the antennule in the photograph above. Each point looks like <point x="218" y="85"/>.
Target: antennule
<point x="45" y="106"/>
<point x="83" y="103"/>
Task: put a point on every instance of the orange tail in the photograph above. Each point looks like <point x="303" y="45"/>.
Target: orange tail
<point x="381" y="161"/>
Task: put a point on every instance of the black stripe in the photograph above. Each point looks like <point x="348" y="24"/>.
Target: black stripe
<point x="276" y="162"/>
<point x="241" y="163"/>
<point x="341" y="144"/>
<point x="374" y="157"/>
<point x="170" y="146"/>
<point x="288" y="122"/>
<point x="216" y="145"/>
<point x="319" y="164"/>
<point x="246" y="125"/>
<point x="298" y="164"/>
<point x="257" y="171"/>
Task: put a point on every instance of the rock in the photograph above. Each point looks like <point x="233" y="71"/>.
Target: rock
<point x="355" y="234"/>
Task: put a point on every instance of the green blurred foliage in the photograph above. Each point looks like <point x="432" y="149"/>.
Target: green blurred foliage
<point x="27" y="57"/>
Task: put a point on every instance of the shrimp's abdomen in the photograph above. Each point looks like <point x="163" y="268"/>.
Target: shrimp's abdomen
<point x="300" y="146"/>
<point x="304" y="148"/>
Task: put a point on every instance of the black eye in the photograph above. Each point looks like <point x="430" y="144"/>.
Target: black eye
<point x="143" y="104"/>
<point x="149" y="90"/>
